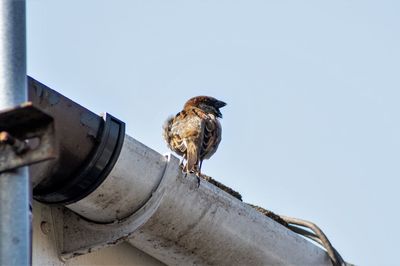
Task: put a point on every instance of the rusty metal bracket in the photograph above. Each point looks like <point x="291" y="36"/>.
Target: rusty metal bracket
<point x="26" y="137"/>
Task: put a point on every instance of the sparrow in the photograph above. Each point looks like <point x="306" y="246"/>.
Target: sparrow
<point x="195" y="132"/>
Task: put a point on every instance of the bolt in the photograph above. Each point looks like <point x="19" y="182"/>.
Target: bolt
<point x="45" y="226"/>
<point x="18" y="145"/>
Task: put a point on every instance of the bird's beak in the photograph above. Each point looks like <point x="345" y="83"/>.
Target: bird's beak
<point x="220" y="104"/>
<point x="219" y="114"/>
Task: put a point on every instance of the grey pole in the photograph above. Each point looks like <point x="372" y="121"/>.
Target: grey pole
<point x="15" y="226"/>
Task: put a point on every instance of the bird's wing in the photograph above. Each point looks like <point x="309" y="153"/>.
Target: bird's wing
<point x="185" y="127"/>
<point x="212" y="137"/>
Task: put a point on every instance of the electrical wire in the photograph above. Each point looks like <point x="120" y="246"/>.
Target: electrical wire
<point x="317" y="235"/>
<point x="335" y="257"/>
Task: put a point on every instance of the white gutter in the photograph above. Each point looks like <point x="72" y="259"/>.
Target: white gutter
<point x="163" y="213"/>
<point x="116" y="189"/>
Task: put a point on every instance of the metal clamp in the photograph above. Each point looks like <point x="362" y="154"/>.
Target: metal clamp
<point x="96" y="168"/>
<point x="26" y="137"/>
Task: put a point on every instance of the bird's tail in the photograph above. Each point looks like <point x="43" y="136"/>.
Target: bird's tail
<point x="192" y="158"/>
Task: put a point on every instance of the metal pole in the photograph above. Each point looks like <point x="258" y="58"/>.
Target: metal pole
<point x="15" y="226"/>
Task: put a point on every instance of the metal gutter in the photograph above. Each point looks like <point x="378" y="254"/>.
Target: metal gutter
<point x="180" y="223"/>
<point x="137" y="195"/>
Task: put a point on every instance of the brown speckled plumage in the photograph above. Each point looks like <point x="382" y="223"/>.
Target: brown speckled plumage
<point x="195" y="132"/>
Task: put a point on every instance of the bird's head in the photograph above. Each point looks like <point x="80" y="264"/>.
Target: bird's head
<point x="207" y="104"/>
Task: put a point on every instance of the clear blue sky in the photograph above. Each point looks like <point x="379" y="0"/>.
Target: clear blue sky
<point x="311" y="129"/>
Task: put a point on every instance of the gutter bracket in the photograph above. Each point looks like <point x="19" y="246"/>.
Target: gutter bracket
<point x="96" y="168"/>
<point x="26" y="137"/>
<point x="76" y="235"/>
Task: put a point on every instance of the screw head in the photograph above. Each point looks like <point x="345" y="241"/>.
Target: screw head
<point x="45" y="226"/>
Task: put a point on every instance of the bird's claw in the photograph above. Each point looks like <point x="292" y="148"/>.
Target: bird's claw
<point x="198" y="175"/>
